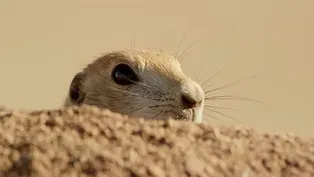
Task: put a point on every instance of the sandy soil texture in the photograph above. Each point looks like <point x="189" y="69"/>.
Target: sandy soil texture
<point x="88" y="141"/>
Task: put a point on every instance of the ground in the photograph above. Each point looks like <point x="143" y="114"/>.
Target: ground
<point x="87" y="141"/>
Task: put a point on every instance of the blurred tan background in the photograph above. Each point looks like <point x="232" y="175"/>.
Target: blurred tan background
<point x="44" y="43"/>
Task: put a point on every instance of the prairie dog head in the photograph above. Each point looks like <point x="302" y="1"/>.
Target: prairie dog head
<point x="141" y="83"/>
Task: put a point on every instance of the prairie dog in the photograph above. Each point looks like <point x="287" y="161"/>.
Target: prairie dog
<point x="141" y="83"/>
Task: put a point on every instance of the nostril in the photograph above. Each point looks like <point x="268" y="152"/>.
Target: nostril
<point x="188" y="101"/>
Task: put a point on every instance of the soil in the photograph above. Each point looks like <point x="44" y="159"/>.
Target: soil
<point x="88" y="141"/>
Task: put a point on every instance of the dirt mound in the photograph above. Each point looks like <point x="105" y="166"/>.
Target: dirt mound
<point x="87" y="141"/>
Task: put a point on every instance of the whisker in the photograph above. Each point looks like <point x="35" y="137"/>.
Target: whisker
<point x="120" y="90"/>
<point x="131" y="40"/>
<point x="139" y="83"/>
<point x="231" y="84"/>
<point x="219" y="71"/>
<point x="186" y="54"/>
<point x="207" y="114"/>
<point x="199" y="71"/>
<point x="141" y="109"/>
<point x="180" y="44"/>
<point x="189" y="47"/>
<point x="158" y="114"/>
<point x="142" y="83"/>
<point x="207" y="120"/>
<point x="205" y="89"/>
<point x="218" y="107"/>
<point x="146" y="85"/>
<point x="151" y="87"/>
<point x="212" y="116"/>
<point x="134" y="36"/>
<point x="230" y="97"/>
<point x="131" y="93"/>
<point x="137" y="94"/>
<point x="229" y="117"/>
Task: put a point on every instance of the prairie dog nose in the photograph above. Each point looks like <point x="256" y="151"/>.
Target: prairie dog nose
<point x="192" y="95"/>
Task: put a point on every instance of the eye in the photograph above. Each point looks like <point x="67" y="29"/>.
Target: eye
<point x="123" y="74"/>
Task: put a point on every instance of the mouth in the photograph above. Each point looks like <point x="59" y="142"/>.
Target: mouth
<point x="186" y="115"/>
<point x="193" y="115"/>
<point x="196" y="115"/>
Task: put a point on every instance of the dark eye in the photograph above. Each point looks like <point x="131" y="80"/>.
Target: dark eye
<point x="123" y="74"/>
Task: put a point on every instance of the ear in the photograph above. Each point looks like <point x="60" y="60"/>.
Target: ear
<point x="77" y="92"/>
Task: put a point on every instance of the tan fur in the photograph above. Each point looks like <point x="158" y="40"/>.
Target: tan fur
<point x="157" y="96"/>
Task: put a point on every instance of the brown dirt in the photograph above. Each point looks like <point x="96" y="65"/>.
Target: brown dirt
<point x="88" y="141"/>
